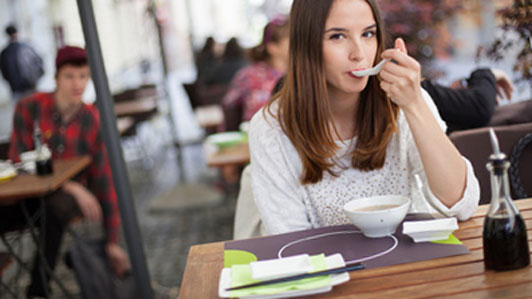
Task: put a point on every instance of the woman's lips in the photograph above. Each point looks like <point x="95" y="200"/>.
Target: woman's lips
<point x="350" y="73"/>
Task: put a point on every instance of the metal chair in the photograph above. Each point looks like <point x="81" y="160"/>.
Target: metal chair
<point x="475" y="145"/>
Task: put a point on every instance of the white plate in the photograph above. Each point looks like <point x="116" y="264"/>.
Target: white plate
<point x="332" y="261"/>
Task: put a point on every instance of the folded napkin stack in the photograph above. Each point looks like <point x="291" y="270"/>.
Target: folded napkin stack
<point x="430" y="230"/>
<point x="239" y="275"/>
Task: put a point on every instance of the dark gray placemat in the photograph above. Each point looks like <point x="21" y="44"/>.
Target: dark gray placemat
<point x="351" y="245"/>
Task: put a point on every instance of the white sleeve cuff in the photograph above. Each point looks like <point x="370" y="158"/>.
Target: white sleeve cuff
<point x="468" y="204"/>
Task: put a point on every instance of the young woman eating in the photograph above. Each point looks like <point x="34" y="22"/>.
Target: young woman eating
<point x="328" y="136"/>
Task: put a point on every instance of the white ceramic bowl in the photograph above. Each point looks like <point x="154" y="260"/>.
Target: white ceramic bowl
<point x="379" y="222"/>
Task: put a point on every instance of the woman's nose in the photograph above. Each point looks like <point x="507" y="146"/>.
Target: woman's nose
<point x="355" y="53"/>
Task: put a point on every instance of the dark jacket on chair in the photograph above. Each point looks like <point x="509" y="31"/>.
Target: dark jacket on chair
<point x="465" y="108"/>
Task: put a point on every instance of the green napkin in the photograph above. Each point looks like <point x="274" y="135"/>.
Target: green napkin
<point x="238" y="257"/>
<point x="241" y="274"/>
<point x="452" y="240"/>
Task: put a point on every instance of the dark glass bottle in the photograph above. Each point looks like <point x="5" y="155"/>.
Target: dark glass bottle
<point x="43" y="160"/>
<point x="504" y="236"/>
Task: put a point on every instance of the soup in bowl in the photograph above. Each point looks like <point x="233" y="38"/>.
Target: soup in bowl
<point x="377" y="216"/>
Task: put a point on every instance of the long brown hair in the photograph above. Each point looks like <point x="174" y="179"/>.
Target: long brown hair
<point x="304" y="110"/>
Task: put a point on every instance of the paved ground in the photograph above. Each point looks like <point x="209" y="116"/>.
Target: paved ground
<point x="168" y="235"/>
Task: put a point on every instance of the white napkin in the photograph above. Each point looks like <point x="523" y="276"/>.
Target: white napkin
<point x="283" y="267"/>
<point x="430" y="230"/>
<point x="28" y="161"/>
<point x="28" y="156"/>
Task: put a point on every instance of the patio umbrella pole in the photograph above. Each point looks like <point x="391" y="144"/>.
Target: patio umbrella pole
<point x="112" y="143"/>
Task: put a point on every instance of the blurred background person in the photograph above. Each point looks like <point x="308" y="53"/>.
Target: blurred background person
<point x="70" y="128"/>
<point x="211" y="87"/>
<point x="233" y="59"/>
<point x="251" y="87"/>
<point x="206" y="59"/>
<point x="21" y="66"/>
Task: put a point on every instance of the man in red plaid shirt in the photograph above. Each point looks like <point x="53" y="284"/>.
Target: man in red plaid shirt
<point x="70" y="128"/>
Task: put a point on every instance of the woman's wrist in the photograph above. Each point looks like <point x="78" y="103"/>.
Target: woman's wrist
<point x="416" y="108"/>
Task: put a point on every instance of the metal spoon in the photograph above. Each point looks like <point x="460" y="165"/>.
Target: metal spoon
<point x="372" y="71"/>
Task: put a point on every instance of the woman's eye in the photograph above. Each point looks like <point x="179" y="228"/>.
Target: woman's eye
<point x="337" y="36"/>
<point x="369" y="33"/>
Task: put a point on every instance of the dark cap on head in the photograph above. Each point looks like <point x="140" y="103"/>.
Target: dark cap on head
<point x="70" y="55"/>
<point x="11" y="29"/>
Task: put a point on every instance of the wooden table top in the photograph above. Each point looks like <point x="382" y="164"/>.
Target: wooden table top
<point x="457" y="277"/>
<point x="143" y="105"/>
<point x="124" y="123"/>
<point x="236" y="155"/>
<point x="27" y="185"/>
<point x="210" y="116"/>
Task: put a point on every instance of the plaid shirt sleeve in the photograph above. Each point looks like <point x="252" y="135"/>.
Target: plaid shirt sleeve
<point x="100" y="182"/>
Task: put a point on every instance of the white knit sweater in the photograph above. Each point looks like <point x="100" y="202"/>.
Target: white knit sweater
<point x="286" y="205"/>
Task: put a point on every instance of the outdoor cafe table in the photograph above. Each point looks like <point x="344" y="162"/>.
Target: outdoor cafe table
<point x="27" y="185"/>
<point x="33" y="186"/>
<point x="210" y="116"/>
<point x="461" y="276"/>
<point x="232" y="156"/>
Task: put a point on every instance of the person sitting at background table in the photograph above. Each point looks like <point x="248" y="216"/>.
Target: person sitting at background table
<point x="233" y="59"/>
<point x="206" y="60"/>
<point x="470" y="103"/>
<point x="70" y="128"/>
<point x="251" y="87"/>
<point x="329" y="137"/>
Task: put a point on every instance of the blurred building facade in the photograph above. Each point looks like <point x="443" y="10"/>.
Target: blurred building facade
<point x="127" y="31"/>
